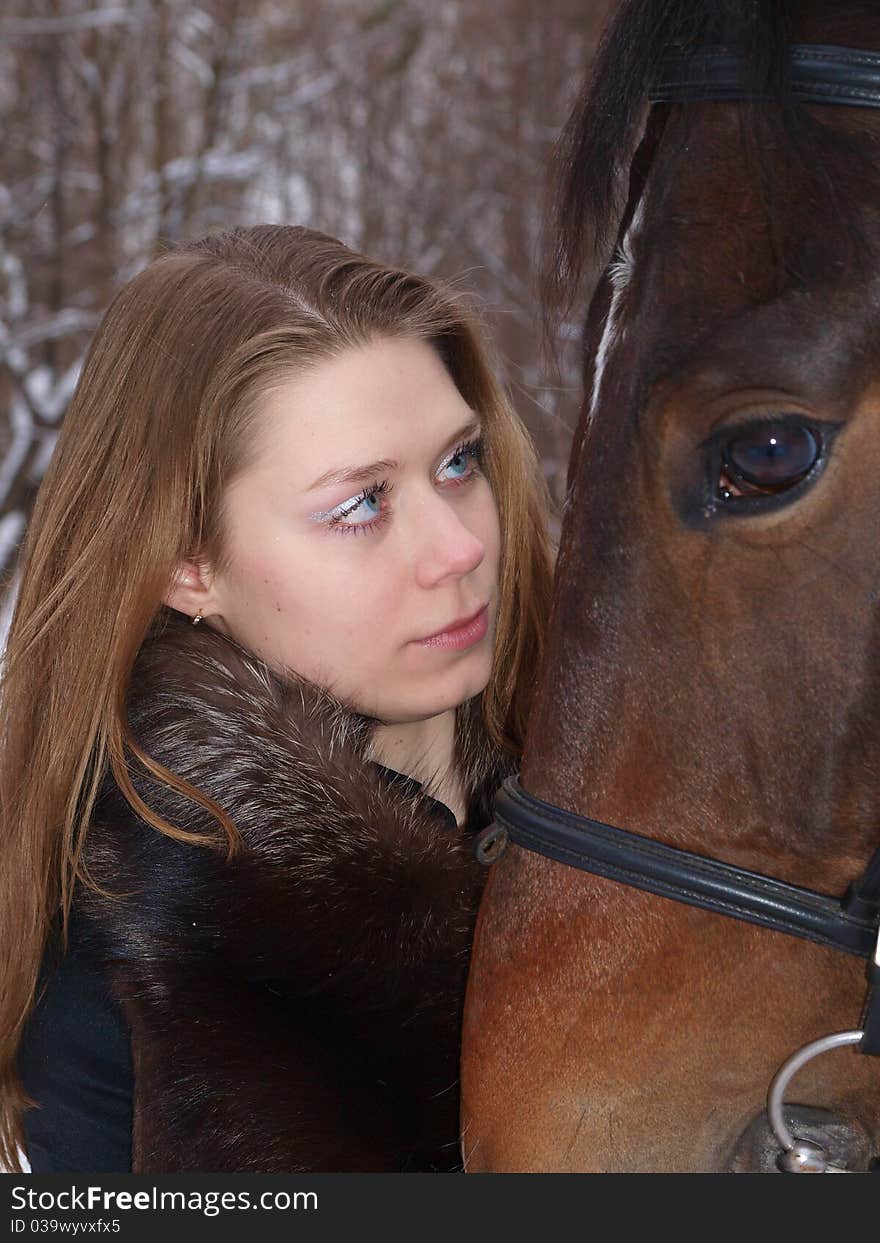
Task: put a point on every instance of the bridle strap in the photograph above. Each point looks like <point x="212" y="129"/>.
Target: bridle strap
<point x="818" y="74"/>
<point x="849" y="923"/>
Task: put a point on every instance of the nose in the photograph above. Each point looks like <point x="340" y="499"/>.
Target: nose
<point x="448" y="546"/>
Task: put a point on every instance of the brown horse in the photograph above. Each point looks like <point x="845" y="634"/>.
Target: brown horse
<point x="712" y="679"/>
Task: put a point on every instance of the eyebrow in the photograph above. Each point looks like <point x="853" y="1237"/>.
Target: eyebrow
<point x="357" y="474"/>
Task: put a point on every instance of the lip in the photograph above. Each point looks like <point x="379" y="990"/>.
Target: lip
<point x="461" y="633"/>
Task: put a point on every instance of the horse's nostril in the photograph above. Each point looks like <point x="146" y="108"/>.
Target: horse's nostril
<point x="846" y="1144"/>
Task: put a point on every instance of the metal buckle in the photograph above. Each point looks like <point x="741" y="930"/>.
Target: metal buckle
<point x="490" y="844"/>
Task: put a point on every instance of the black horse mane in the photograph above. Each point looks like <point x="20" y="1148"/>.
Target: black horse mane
<point x="596" y="147"/>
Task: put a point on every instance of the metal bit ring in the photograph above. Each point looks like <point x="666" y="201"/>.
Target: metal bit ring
<point x="781" y="1080"/>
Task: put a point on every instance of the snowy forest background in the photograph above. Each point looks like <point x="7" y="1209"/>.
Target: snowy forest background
<point x="415" y="130"/>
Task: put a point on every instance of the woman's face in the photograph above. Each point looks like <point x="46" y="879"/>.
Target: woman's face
<point x="338" y="579"/>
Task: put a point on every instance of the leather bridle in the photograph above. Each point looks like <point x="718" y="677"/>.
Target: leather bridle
<point x="849" y="923"/>
<point x="817" y="73"/>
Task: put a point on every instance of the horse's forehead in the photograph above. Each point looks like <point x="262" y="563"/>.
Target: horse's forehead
<point x="822" y="346"/>
<point x="716" y="274"/>
<point x="730" y="192"/>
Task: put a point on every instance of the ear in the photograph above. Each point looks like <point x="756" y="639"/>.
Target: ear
<point x="192" y="590"/>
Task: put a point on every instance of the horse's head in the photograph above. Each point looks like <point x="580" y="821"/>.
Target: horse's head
<point x="712" y="678"/>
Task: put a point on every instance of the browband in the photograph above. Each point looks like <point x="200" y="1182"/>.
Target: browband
<point x="849" y="923"/>
<point x="819" y="74"/>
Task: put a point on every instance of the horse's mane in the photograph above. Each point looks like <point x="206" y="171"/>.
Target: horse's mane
<point x="596" y="147"/>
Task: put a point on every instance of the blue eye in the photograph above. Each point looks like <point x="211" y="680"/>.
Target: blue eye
<point x="337" y="522"/>
<point x="470" y="450"/>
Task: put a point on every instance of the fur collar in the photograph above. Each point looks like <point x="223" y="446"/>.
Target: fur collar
<point x="298" y="1007"/>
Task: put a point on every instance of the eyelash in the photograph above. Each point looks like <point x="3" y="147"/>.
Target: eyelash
<point x="471" y="448"/>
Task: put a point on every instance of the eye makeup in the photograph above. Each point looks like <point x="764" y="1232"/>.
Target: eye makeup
<point x="335" y="519"/>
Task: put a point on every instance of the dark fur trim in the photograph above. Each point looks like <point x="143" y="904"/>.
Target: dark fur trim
<point x="297" y="1008"/>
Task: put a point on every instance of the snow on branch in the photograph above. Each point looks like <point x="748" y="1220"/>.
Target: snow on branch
<point x="68" y="24"/>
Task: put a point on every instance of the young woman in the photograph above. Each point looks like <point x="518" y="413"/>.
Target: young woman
<point x="246" y="736"/>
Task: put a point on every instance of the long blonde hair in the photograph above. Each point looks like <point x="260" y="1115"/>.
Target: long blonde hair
<point x="158" y="427"/>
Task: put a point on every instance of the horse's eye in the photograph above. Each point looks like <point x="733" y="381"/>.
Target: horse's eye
<point x="768" y="457"/>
